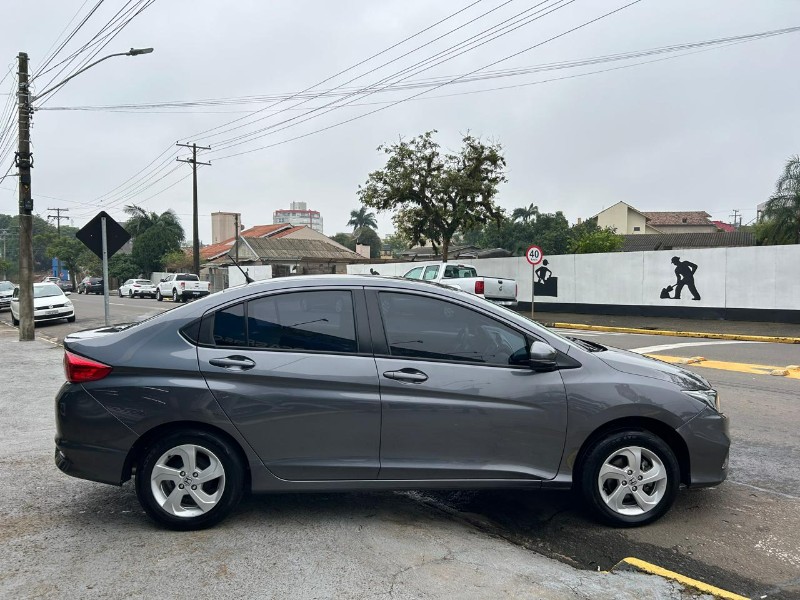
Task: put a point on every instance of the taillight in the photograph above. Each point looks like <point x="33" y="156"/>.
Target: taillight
<point x="479" y="286"/>
<point x="78" y="369"/>
<point x="136" y="285"/>
<point x="183" y="285"/>
<point x="515" y="289"/>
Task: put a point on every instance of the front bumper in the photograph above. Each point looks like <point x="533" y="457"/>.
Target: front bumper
<point x="91" y="443"/>
<point x="5" y="303"/>
<point x="53" y="314"/>
<point x="708" y="439"/>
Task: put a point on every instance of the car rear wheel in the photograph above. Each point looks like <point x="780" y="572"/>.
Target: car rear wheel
<point x="175" y="297"/>
<point x="189" y="480"/>
<point x="629" y="478"/>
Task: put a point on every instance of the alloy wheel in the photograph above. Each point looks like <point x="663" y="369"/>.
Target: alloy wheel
<point x="632" y="480"/>
<point x="187" y="480"/>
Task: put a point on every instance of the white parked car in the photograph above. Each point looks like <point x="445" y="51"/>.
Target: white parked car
<point x="50" y="303"/>
<point x="181" y="287"/>
<point x="137" y="287"/>
<point x="500" y="290"/>
<point x="6" y="289"/>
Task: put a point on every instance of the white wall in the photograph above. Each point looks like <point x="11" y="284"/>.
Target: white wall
<point x="256" y="273"/>
<point x="763" y="277"/>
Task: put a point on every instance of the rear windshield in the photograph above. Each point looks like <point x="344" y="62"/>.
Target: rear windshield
<point x="459" y="272"/>
<point x="143" y="281"/>
<point x="187" y="277"/>
<point x="95" y="280"/>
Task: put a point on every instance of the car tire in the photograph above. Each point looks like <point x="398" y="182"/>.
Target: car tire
<point x="175" y="296"/>
<point x="71" y="319"/>
<point x="159" y="297"/>
<point x="610" y="480"/>
<point x="14" y="322"/>
<point x="189" y="452"/>
<point x="130" y="294"/>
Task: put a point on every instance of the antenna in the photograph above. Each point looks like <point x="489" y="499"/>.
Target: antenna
<point x="247" y="277"/>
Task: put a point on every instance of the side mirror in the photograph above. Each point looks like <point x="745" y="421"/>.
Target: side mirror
<point x="540" y="357"/>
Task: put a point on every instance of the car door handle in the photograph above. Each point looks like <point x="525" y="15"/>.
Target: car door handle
<point x="408" y="375"/>
<point x="235" y="363"/>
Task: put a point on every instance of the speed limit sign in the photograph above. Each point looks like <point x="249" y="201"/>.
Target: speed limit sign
<point x="534" y="255"/>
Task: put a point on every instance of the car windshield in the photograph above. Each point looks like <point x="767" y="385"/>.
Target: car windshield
<point x="45" y="291"/>
<point x="143" y="281"/>
<point x="6" y="286"/>
<point x="187" y="278"/>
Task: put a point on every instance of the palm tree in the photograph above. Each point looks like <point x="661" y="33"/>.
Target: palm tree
<point x="361" y="218"/>
<point x="780" y="221"/>
<point x="525" y="214"/>
<point x="140" y="221"/>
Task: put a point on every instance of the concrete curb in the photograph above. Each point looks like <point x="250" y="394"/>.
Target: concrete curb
<point x="641" y="566"/>
<point x="690" y="334"/>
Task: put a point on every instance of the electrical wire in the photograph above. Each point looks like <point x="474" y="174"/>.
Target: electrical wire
<point x="50" y="55"/>
<point x="528" y="49"/>
<point x="334" y="105"/>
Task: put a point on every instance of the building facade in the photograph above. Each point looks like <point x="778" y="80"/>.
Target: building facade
<point x="298" y="214"/>
<point x="223" y="226"/>
<point x="625" y="219"/>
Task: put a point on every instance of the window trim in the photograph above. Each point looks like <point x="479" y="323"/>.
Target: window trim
<point x="381" y="340"/>
<point x="363" y="337"/>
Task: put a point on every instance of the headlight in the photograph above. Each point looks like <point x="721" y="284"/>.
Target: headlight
<point x="708" y="397"/>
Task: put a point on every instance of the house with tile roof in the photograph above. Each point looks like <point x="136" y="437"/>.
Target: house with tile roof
<point x="694" y="221"/>
<point x="625" y="219"/>
<point x="215" y="252"/>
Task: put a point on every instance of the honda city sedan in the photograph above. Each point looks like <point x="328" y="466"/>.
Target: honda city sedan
<point x="50" y="303"/>
<point x="323" y="383"/>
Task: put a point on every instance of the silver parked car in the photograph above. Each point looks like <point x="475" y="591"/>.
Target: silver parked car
<point x="6" y="290"/>
<point x="363" y="383"/>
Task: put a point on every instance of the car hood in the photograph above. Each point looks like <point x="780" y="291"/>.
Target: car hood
<point x="636" y="364"/>
<point x="6" y="294"/>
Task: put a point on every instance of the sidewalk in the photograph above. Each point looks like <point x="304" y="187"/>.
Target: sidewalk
<point x="750" y="328"/>
<point x="66" y="538"/>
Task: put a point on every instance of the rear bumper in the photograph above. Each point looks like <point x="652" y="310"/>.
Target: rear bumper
<point x="193" y="294"/>
<point x="91" y="443"/>
<point x="502" y="302"/>
<point x="708" y="439"/>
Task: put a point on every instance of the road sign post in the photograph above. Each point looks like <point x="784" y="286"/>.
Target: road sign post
<point x="103" y="236"/>
<point x="534" y="255"/>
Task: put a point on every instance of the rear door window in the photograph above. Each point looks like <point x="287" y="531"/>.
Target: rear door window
<point x="230" y="328"/>
<point x="431" y="273"/>
<point x="414" y="273"/>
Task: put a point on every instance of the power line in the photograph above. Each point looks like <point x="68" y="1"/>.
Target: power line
<point x="239" y="140"/>
<point x="49" y="57"/>
<point x="441" y="85"/>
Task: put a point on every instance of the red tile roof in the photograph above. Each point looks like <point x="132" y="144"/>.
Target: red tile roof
<point x="259" y="231"/>
<point x="727" y="227"/>
<point x="694" y="217"/>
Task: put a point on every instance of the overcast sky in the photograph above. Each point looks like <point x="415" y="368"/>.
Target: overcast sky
<point x="709" y="131"/>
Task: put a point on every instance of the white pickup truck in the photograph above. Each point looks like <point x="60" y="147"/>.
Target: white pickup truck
<point x="181" y="287"/>
<point x="500" y="290"/>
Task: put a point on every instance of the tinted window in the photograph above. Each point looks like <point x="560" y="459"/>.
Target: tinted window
<point x="318" y="321"/>
<point x="431" y="273"/>
<point x="229" y="327"/>
<point x="459" y="272"/>
<point x="422" y="327"/>
<point x="414" y="273"/>
<point x="187" y="277"/>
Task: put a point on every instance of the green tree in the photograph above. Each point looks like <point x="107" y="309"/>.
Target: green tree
<point x="140" y="221"/>
<point x="369" y="237"/>
<point x="397" y="243"/>
<point x="69" y="251"/>
<point x="432" y="194"/>
<point x="525" y="214"/>
<point x="361" y="218"/>
<point x="600" y="240"/>
<point x="178" y="261"/>
<point x="123" y="267"/>
<point x="5" y="267"/>
<point x="150" y="247"/>
<point x="780" y="221"/>
<point x="346" y="240"/>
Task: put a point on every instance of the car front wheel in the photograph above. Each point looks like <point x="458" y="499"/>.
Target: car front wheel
<point x="159" y="297"/>
<point x="189" y="480"/>
<point x="629" y="478"/>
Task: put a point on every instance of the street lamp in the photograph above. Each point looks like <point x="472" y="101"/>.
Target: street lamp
<point x="24" y="163"/>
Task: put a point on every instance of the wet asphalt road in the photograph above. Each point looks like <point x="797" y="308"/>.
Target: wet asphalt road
<point x="743" y="536"/>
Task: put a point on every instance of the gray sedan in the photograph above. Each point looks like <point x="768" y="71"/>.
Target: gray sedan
<point x="365" y="383"/>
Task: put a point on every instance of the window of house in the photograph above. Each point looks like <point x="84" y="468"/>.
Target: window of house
<point x="637" y="228"/>
<point x="428" y="328"/>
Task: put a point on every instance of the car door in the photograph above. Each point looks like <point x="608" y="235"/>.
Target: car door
<point x="454" y="405"/>
<point x="294" y="371"/>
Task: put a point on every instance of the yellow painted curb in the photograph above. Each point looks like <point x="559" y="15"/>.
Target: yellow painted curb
<point x="729" y="366"/>
<point x="652" y="569"/>
<point x="690" y="334"/>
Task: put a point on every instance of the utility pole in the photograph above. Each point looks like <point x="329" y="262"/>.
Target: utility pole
<point x="195" y="233"/>
<point x="736" y="217"/>
<point x="24" y="161"/>
<point x="58" y="216"/>
<point x="236" y="245"/>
